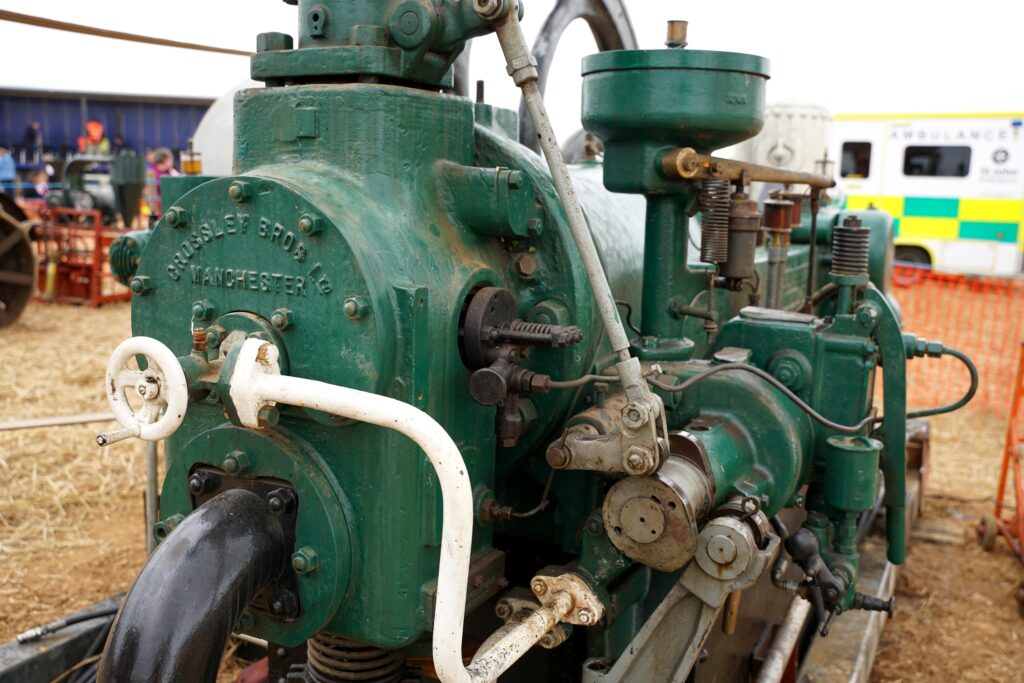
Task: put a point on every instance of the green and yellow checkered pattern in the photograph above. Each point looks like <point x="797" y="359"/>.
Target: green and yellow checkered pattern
<point x="942" y="218"/>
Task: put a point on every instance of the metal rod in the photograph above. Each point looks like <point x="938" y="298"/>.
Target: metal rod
<point x="687" y="164"/>
<point x="56" y="421"/>
<point x="43" y="22"/>
<point x="812" y="249"/>
<point x="785" y="640"/>
<point x="152" y="475"/>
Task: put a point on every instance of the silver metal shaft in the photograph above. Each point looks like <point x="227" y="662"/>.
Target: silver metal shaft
<point x="152" y="475"/>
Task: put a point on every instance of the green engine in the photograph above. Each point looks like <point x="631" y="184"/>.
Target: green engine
<point x="384" y="346"/>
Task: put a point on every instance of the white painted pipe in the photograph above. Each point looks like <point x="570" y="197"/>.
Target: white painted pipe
<point x="785" y="640"/>
<point x="257" y="382"/>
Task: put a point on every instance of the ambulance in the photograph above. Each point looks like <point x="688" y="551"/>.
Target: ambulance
<point x="953" y="183"/>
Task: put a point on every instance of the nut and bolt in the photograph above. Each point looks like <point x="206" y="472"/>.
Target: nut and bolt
<point x="310" y="224"/>
<point x="526" y="265"/>
<point x="488" y="9"/>
<point x="867" y="315"/>
<point x="202" y="482"/>
<point x="478" y="581"/>
<point x="281" y="501"/>
<point x="585" y="617"/>
<point x="268" y="416"/>
<point x="503" y="610"/>
<point x="305" y="561"/>
<point x="355" y="308"/>
<point x="176" y="217"/>
<point x="558" y="456"/>
<point x="202" y="310"/>
<point x="240" y="191"/>
<point x="538" y="586"/>
<point x="282" y="319"/>
<point x="141" y="285"/>
<point x="236" y="462"/>
<point x="199" y="340"/>
<point x="634" y="416"/>
<point x="273" y="41"/>
<point x="284" y="604"/>
<point x="638" y="461"/>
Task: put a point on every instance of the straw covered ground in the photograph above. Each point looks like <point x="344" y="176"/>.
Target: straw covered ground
<point x="71" y="513"/>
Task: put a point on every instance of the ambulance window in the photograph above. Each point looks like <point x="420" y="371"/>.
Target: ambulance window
<point x="937" y="161"/>
<point x="856" y="160"/>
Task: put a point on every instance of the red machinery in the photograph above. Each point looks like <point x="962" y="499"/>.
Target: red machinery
<point x="72" y="248"/>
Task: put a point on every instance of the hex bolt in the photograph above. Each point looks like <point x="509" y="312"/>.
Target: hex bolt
<point x="202" y="310"/>
<point x="281" y="501"/>
<point x="538" y="586"/>
<point x="634" y="416"/>
<point x="282" y="319"/>
<point x="273" y="41"/>
<point x="503" y="610"/>
<point x="268" y="416"/>
<point x="141" y="285"/>
<point x="236" y="462"/>
<point x="163" y="528"/>
<point x="176" y="217"/>
<point x="526" y="265"/>
<point x="515" y="179"/>
<point x="284" y="604"/>
<point x="310" y="224"/>
<point x="585" y="617"/>
<point x="548" y="641"/>
<point x="305" y="561"/>
<point x="203" y="482"/>
<point x="240" y="191"/>
<point x="355" y="308"/>
<point x="639" y="461"/>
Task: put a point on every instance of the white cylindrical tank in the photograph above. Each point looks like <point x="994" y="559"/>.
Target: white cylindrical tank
<point x="214" y="138"/>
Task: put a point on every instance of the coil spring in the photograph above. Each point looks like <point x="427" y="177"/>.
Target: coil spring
<point x="714" y="234"/>
<point x="850" y="248"/>
<point x="333" y="660"/>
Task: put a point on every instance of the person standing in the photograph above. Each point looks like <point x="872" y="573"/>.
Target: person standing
<point x="159" y="163"/>
<point x="32" y="141"/>
<point x="8" y="171"/>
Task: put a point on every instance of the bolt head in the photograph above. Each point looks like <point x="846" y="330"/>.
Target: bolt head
<point x="538" y="586"/>
<point x="526" y="265"/>
<point x="268" y="416"/>
<point x="585" y="617"/>
<point x="235" y="462"/>
<point x="176" y="217"/>
<point x="355" y="308"/>
<point x="282" y="319"/>
<point x="202" y="310"/>
<point x="141" y="285"/>
<point x="639" y="461"/>
<point x="310" y="225"/>
<point x="304" y="561"/>
<point x="558" y="456"/>
<point x="240" y="191"/>
<point x="635" y="416"/>
<point x="195" y="484"/>
<point x="503" y="610"/>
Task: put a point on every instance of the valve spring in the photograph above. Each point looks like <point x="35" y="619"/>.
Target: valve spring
<point x="334" y="660"/>
<point x="714" y="234"/>
<point x="850" y="248"/>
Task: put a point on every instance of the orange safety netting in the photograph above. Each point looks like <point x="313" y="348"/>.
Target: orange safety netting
<point x="981" y="316"/>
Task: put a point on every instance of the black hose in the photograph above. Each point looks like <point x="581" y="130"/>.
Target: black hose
<point x="177" y="618"/>
<point x="964" y="400"/>
<point x="811" y="412"/>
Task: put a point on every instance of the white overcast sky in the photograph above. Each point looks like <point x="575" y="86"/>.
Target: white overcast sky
<point x="854" y="56"/>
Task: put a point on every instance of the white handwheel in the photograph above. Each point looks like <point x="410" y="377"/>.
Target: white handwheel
<point x="162" y="387"/>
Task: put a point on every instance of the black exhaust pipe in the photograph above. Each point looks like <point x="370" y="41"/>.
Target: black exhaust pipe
<point x="181" y="609"/>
